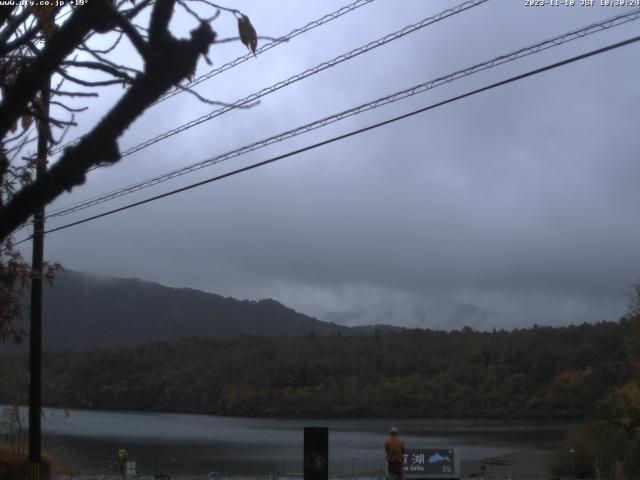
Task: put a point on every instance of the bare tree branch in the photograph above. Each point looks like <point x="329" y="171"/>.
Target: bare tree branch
<point x="34" y="47"/>
<point x="32" y="78"/>
<point x="134" y="37"/>
<point x="99" y="146"/>
<point x="110" y="69"/>
<point x="158" y="26"/>
<point x="11" y="28"/>
<point x="216" y="102"/>
<point x="89" y="83"/>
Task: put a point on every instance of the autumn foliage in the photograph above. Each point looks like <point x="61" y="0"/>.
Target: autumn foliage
<point x="608" y="444"/>
<point x="13" y="466"/>
<point x="540" y="372"/>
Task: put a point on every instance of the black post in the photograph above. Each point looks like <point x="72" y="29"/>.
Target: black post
<point x="316" y="453"/>
<point x="572" y="451"/>
<point x="35" y="335"/>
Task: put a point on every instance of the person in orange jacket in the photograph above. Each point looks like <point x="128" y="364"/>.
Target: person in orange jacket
<point x="394" y="449"/>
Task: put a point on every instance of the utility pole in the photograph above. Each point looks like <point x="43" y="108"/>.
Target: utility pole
<point x="35" y="334"/>
<point x="572" y="451"/>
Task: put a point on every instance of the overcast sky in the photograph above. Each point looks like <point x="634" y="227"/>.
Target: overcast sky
<point x="522" y="200"/>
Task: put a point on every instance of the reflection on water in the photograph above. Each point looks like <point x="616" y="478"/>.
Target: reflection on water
<point x="197" y="444"/>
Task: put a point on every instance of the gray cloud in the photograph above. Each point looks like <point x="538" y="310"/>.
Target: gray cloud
<point x="521" y="201"/>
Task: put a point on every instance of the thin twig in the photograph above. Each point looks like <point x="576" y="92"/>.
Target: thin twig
<point x="261" y="37"/>
<point x="216" y="102"/>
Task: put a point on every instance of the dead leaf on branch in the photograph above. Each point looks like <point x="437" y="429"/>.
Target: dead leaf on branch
<point x="50" y="270"/>
<point x="38" y="104"/>
<point x="26" y="121"/>
<point x="248" y="35"/>
<point x="10" y="80"/>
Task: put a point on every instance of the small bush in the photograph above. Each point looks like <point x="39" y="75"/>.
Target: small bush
<point x="597" y="450"/>
<point x="14" y="466"/>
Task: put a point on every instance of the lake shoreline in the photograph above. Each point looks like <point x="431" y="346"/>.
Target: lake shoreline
<point x="275" y="416"/>
<point x="89" y="441"/>
<point x="522" y="464"/>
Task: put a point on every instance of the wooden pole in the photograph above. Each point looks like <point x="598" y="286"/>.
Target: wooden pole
<point x="35" y="335"/>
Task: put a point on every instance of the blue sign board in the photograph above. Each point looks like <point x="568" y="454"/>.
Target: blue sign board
<point x="426" y="462"/>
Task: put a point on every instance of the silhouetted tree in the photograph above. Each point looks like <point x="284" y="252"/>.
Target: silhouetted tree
<point x="40" y="44"/>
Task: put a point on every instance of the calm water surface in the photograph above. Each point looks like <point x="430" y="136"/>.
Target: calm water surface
<point x="197" y="444"/>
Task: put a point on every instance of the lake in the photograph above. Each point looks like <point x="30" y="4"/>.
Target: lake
<point x="197" y="444"/>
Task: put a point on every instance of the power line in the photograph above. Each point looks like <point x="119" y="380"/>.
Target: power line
<point x="305" y="74"/>
<point x="420" y="88"/>
<point x="234" y="63"/>
<point x="268" y="46"/>
<point x="237" y="61"/>
<point x="492" y="86"/>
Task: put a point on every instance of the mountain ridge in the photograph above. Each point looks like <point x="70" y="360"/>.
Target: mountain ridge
<point x="85" y="310"/>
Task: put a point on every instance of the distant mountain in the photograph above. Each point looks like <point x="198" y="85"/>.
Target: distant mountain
<point x="426" y="310"/>
<point x="84" y="311"/>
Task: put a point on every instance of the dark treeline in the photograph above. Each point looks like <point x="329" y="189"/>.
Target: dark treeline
<point x="538" y="372"/>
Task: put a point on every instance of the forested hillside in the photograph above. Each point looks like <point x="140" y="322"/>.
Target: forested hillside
<point x="83" y="310"/>
<point x="538" y="372"/>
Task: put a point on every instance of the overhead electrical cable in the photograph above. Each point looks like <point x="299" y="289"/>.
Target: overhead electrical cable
<point x="248" y="56"/>
<point x="352" y="133"/>
<point x="307" y="73"/>
<point x="250" y="99"/>
<point x="420" y="88"/>
<point x="267" y="46"/>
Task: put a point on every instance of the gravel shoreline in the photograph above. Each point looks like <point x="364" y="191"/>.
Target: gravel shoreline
<point x="193" y="477"/>
<point x="531" y="465"/>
